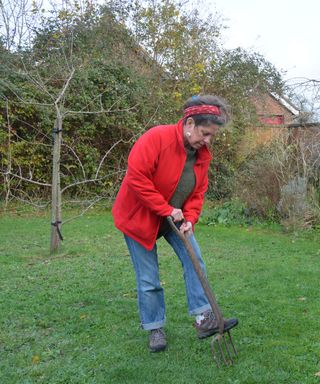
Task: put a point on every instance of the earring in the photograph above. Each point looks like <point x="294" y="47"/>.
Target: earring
<point x="188" y="134"/>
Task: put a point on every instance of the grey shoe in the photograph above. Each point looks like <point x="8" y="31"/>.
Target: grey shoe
<point x="157" y="340"/>
<point x="209" y="325"/>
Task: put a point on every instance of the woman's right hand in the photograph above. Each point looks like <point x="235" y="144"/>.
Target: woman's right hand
<point x="177" y="215"/>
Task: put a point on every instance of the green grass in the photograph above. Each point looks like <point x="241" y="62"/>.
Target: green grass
<point x="72" y="318"/>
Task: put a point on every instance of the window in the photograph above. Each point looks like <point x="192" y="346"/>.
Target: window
<point x="272" y="119"/>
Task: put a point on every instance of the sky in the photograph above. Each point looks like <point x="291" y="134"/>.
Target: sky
<point x="285" y="32"/>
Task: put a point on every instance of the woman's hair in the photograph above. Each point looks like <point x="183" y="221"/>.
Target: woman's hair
<point x="206" y="119"/>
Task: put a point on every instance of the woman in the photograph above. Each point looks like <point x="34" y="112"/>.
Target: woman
<point x="167" y="175"/>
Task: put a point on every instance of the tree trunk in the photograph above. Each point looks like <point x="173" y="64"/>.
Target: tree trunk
<point x="56" y="236"/>
<point x="7" y="178"/>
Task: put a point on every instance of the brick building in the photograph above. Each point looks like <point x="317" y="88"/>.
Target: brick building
<point x="273" y="109"/>
<point x="274" y="115"/>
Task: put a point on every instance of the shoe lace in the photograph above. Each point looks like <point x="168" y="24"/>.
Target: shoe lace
<point x="157" y="334"/>
<point x="207" y="316"/>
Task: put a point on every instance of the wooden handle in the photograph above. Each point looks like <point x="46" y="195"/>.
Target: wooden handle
<point x="201" y="275"/>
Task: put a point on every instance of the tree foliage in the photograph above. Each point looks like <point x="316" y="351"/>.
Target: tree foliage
<point x="133" y="65"/>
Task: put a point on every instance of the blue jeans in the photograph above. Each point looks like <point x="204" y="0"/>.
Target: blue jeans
<point x="150" y="293"/>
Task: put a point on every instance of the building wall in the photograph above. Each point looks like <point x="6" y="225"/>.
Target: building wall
<point x="266" y="106"/>
<point x="274" y="120"/>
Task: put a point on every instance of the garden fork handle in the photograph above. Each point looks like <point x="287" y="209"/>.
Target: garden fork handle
<point x="201" y="275"/>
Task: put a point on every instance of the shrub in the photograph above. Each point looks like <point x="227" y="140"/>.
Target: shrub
<point x="280" y="181"/>
<point x="257" y="185"/>
<point x="298" y="205"/>
<point x="227" y="213"/>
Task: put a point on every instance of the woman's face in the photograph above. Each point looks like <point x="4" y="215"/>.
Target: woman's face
<point x="198" y="136"/>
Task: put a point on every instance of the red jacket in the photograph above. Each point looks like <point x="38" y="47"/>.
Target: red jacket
<point x="155" y="165"/>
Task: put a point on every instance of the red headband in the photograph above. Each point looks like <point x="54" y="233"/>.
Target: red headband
<point x="202" y="110"/>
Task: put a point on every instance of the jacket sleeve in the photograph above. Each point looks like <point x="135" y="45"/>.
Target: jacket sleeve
<point x="142" y="163"/>
<point x="193" y="206"/>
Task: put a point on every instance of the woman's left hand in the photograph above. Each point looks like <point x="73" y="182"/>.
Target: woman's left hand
<point x="186" y="228"/>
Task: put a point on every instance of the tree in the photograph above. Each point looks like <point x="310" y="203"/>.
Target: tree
<point x="305" y="93"/>
<point x="90" y="79"/>
<point x="62" y="82"/>
<point x="18" y="19"/>
<point x="179" y="44"/>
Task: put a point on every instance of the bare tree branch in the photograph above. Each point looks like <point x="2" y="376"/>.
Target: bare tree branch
<point x="65" y="87"/>
<point x="77" y="157"/>
<point x="27" y="180"/>
<point x="32" y="203"/>
<point x="85" y="210"/>
<point x="81" y="182"/>
<point x="105" y="155"/>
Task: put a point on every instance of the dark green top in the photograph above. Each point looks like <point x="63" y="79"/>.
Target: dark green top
<point x="184" y="188"/>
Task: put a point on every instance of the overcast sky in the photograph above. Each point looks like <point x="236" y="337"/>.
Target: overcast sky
<point x="285" y="32"/>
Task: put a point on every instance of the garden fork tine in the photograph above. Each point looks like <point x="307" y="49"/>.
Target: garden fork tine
<point x="219" y="341"/>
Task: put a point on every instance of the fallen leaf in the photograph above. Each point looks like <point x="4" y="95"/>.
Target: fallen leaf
<point x="83" y="316"/>
<point x="35" y="359"/>
<point x="302" y="298"/>
<point x="317" y="374"/>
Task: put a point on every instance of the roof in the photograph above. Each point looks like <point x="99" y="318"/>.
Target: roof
<point x="286" y="103"/>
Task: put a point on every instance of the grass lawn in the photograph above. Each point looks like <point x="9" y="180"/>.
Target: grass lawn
<point x="73" y="318"/>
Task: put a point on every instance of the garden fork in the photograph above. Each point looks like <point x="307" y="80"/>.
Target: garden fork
<point x="222" y="348"/>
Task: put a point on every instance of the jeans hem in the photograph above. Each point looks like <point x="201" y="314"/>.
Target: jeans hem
<point x="151" y="326"/>
<point x="200" y="310"/>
